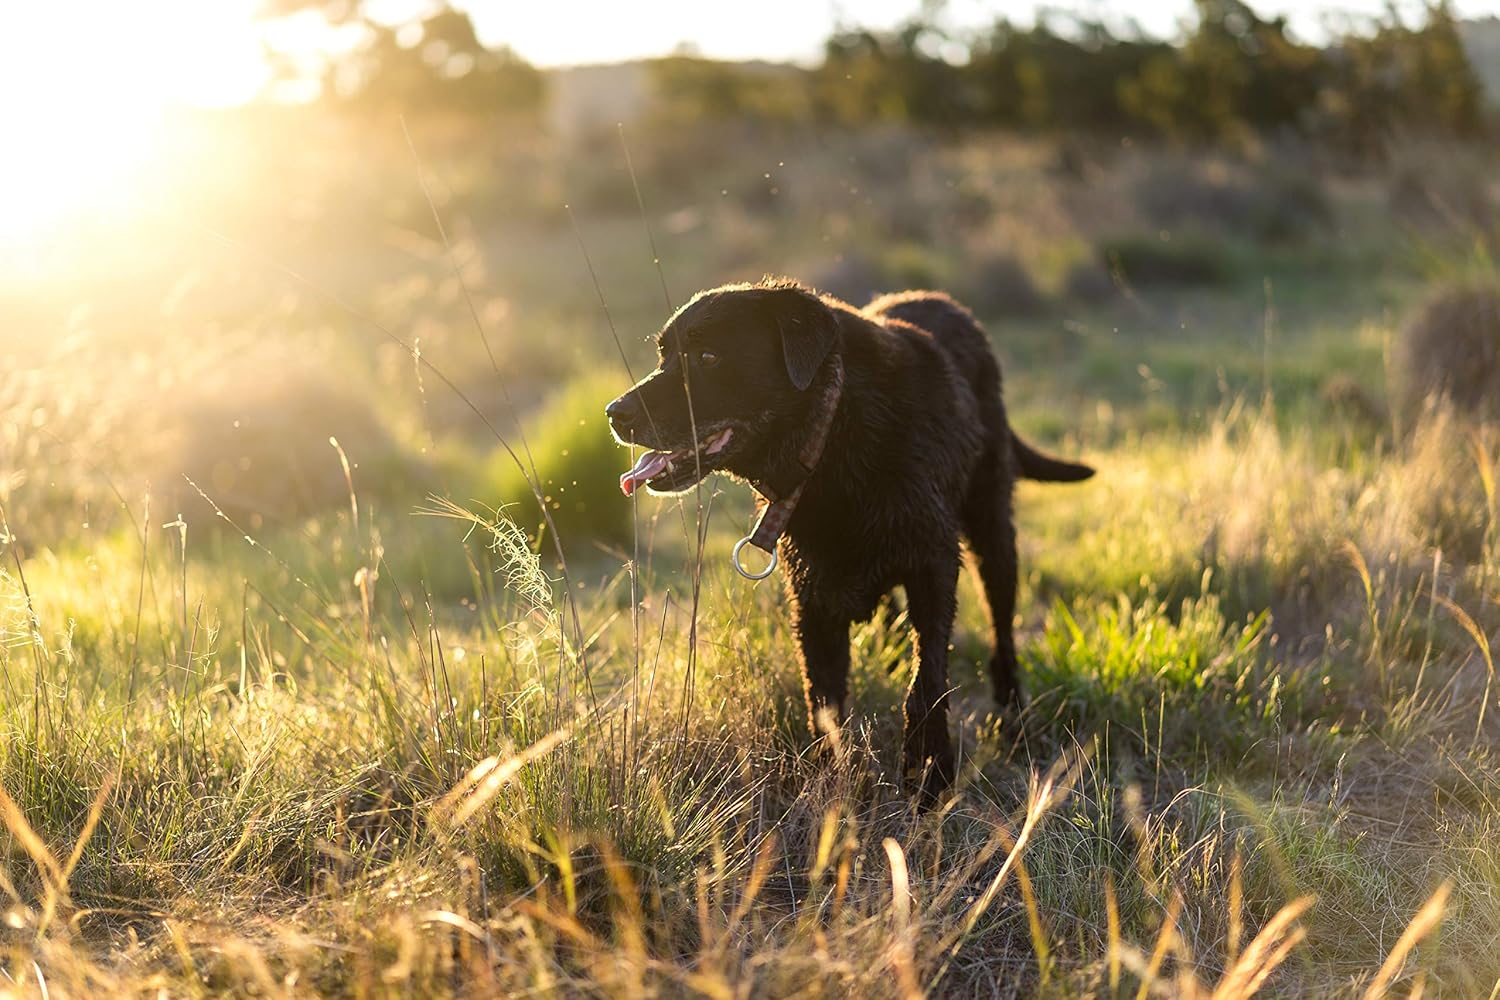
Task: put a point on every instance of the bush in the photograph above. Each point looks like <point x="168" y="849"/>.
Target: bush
<point x="1152" y="260"/>
<point x="909" y="219"/>
<point x="858" y="279"/>
<point x="854" y="278"/>
<point x="254" y="435"/>
<point x="1345" y="398"/>
<point x="1441" y="191"/>
<point x="1442" y="486"/>
<point x="578" y="465"/>
<point x="1089" y="283"/>
<point x="913" y="266"/>
<point x="997" y="286"/>
<point x="1180" y="192"/>
<point x="1292" y="205"/>
<point x="1278" y="204"/>
<point x="1450" y="349"/>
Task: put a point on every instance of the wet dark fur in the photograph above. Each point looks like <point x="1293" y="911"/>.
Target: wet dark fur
<point x="920" y="456"/>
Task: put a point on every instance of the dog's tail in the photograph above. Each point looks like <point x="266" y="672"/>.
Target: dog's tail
<point x="1043" y="468"/>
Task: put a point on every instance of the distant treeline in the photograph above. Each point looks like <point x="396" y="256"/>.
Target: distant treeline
<point x="437" y="62"/>
<point x="1237" y="74"/>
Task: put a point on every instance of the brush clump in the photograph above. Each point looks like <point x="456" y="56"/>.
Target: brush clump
<point x="1450" y="350"/>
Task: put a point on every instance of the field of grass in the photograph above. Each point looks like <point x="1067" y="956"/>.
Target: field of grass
<point x="300" y="696"/>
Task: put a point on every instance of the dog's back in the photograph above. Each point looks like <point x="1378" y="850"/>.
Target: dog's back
<point x="953" y="327"/>
<point x="961" y="337"/>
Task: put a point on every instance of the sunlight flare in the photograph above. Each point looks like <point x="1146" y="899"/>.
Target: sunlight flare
<point x="85" y="93"/>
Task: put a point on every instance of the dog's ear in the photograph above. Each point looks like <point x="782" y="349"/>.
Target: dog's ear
<point x="808" y="331"/>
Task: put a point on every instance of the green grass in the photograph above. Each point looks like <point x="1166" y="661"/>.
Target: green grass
<point x="389" y="748"/>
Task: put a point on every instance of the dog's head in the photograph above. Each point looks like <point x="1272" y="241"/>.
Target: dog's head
<point x="736" y="365"/>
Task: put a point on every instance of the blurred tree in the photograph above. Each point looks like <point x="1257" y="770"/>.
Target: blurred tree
<point x="437" y="61"/>
<point x="1049" y="78"/>
<point x="1402" y="78"/>
<point x="690" y="89"/>
<point x="895" y="76"/>
<point x="1237" y="73"/>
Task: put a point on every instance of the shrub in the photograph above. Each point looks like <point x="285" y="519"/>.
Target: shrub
<point x="997" y="285"/>
<point x="1344" y="397"/>
<point x="908" y="219"/>
<point x="1088" y="282"/>
<point x="1443" y="488"/>
<point x="1275" y="204"/>
<point x="1450" y="349"/>
<point x="1440" y="191"/>
<point x="857" y="279"/>
<point x="913" y="265"/>
<point x="1291" y="204"/>
<point x="1070" y="160"/>
<point x="578" y="466"/>
<point x="1152" y="260"/>
<point x="1179" y="192"/>
<point x="254" y="435"/>
<point x="853" y="277"/>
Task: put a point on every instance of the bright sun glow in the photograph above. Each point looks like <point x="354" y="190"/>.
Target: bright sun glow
<point x="85" y="88"/>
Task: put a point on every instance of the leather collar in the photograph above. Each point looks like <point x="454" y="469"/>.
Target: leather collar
<point x="781" y="496"/>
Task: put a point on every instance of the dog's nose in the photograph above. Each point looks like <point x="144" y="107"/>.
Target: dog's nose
<point x="624" y="412"/>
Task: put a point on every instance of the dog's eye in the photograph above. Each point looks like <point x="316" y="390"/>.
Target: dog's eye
<point x="706" y="359"/>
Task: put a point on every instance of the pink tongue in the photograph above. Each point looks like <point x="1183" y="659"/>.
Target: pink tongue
<point x="647" y="467"/>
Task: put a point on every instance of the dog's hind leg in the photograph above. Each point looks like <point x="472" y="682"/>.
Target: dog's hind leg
<point x="928" y="760"/>
<point x="991" y="531"/>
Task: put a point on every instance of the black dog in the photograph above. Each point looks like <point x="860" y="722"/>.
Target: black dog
<point x="879" y="435"/>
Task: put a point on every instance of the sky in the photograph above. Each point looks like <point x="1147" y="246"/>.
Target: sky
<point x="209" y="52"/>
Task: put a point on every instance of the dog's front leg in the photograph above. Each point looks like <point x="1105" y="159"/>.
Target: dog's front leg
<point x="928" y="759"/>
<point x="823" y="642"/>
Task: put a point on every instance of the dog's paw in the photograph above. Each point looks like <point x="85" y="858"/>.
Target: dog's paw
<point x="1006" y="688"/>
<point x="928" y="779"/>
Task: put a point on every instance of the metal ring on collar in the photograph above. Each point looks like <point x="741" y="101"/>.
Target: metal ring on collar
<point x="739" y="547"/>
